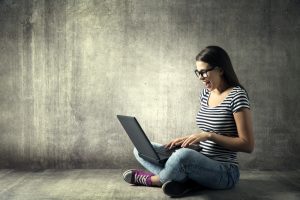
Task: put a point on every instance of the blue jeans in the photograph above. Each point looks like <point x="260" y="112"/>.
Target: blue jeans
<point x="185" y="164"/>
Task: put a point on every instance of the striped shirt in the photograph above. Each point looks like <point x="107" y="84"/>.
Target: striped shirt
<point x="219" y="119"/>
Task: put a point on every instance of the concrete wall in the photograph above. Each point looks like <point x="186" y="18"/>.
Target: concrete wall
<point x="68" y="67"/>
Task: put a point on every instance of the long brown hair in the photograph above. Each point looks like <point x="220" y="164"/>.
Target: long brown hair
<point x="217" y="57"/>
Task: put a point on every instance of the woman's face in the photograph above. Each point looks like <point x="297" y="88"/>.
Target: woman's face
<point x="214" y="77"/>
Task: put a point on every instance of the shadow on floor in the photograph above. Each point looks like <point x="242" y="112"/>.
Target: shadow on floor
<point x="279" y="188"/>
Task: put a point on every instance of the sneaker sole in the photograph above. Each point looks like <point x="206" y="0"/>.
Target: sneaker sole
<point x="174" y="189"/>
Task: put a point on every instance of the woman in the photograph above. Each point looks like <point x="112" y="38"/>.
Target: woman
<point x="225" y="122"/>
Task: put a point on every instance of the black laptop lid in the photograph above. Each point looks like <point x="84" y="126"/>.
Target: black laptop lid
<point x="137" y="136"/>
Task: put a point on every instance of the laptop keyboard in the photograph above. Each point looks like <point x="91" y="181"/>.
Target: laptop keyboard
<point x="163" y="151"/>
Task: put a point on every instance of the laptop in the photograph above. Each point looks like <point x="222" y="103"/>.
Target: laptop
<point x="141" y="142"/>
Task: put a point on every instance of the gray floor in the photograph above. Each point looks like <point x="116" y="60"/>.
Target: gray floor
<point x="108" y="184"/>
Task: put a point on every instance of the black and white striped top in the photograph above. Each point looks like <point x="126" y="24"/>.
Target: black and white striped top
<point x="220" y="120"/>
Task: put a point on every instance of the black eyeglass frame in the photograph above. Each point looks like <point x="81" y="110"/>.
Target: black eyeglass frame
<point x="203" y="73"/>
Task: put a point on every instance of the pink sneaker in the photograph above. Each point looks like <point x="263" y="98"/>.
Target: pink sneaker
<point x="138" y="177"/>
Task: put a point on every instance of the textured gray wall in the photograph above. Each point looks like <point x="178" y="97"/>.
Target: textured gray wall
<point x="68" y="67"/>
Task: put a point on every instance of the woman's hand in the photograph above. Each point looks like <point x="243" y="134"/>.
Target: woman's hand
<point x="195" y="138"/>
<point x="176" y="142"/>
<point x="188" y="140"/>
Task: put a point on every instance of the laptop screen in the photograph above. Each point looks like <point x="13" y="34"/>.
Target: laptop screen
<point x="137" y="136"/>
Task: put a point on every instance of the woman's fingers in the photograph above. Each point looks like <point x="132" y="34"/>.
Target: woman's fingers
<point x="175" y="142"/>
<point x="185" y="142"/>
<point x="191" y="140"/>
<point x="170" y="144"/>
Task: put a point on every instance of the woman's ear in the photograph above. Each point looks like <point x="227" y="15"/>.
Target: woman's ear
<point x="221" y="71"/>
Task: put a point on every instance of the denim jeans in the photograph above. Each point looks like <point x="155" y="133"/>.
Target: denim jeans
<point x="185" y="164"/>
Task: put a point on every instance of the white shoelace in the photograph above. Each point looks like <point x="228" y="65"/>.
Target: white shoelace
<point x="141" y="179"/>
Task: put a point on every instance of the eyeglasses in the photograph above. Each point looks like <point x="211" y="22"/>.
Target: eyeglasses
<point x="203" y="73"/>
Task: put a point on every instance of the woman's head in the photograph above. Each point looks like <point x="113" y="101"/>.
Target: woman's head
<point x="214" y="58"/>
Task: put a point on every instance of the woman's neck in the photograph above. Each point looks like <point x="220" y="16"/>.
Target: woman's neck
<point x="223" y="86"/>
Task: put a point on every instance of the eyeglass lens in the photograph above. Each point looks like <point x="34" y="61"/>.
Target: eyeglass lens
<point x="201" y="73"/>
